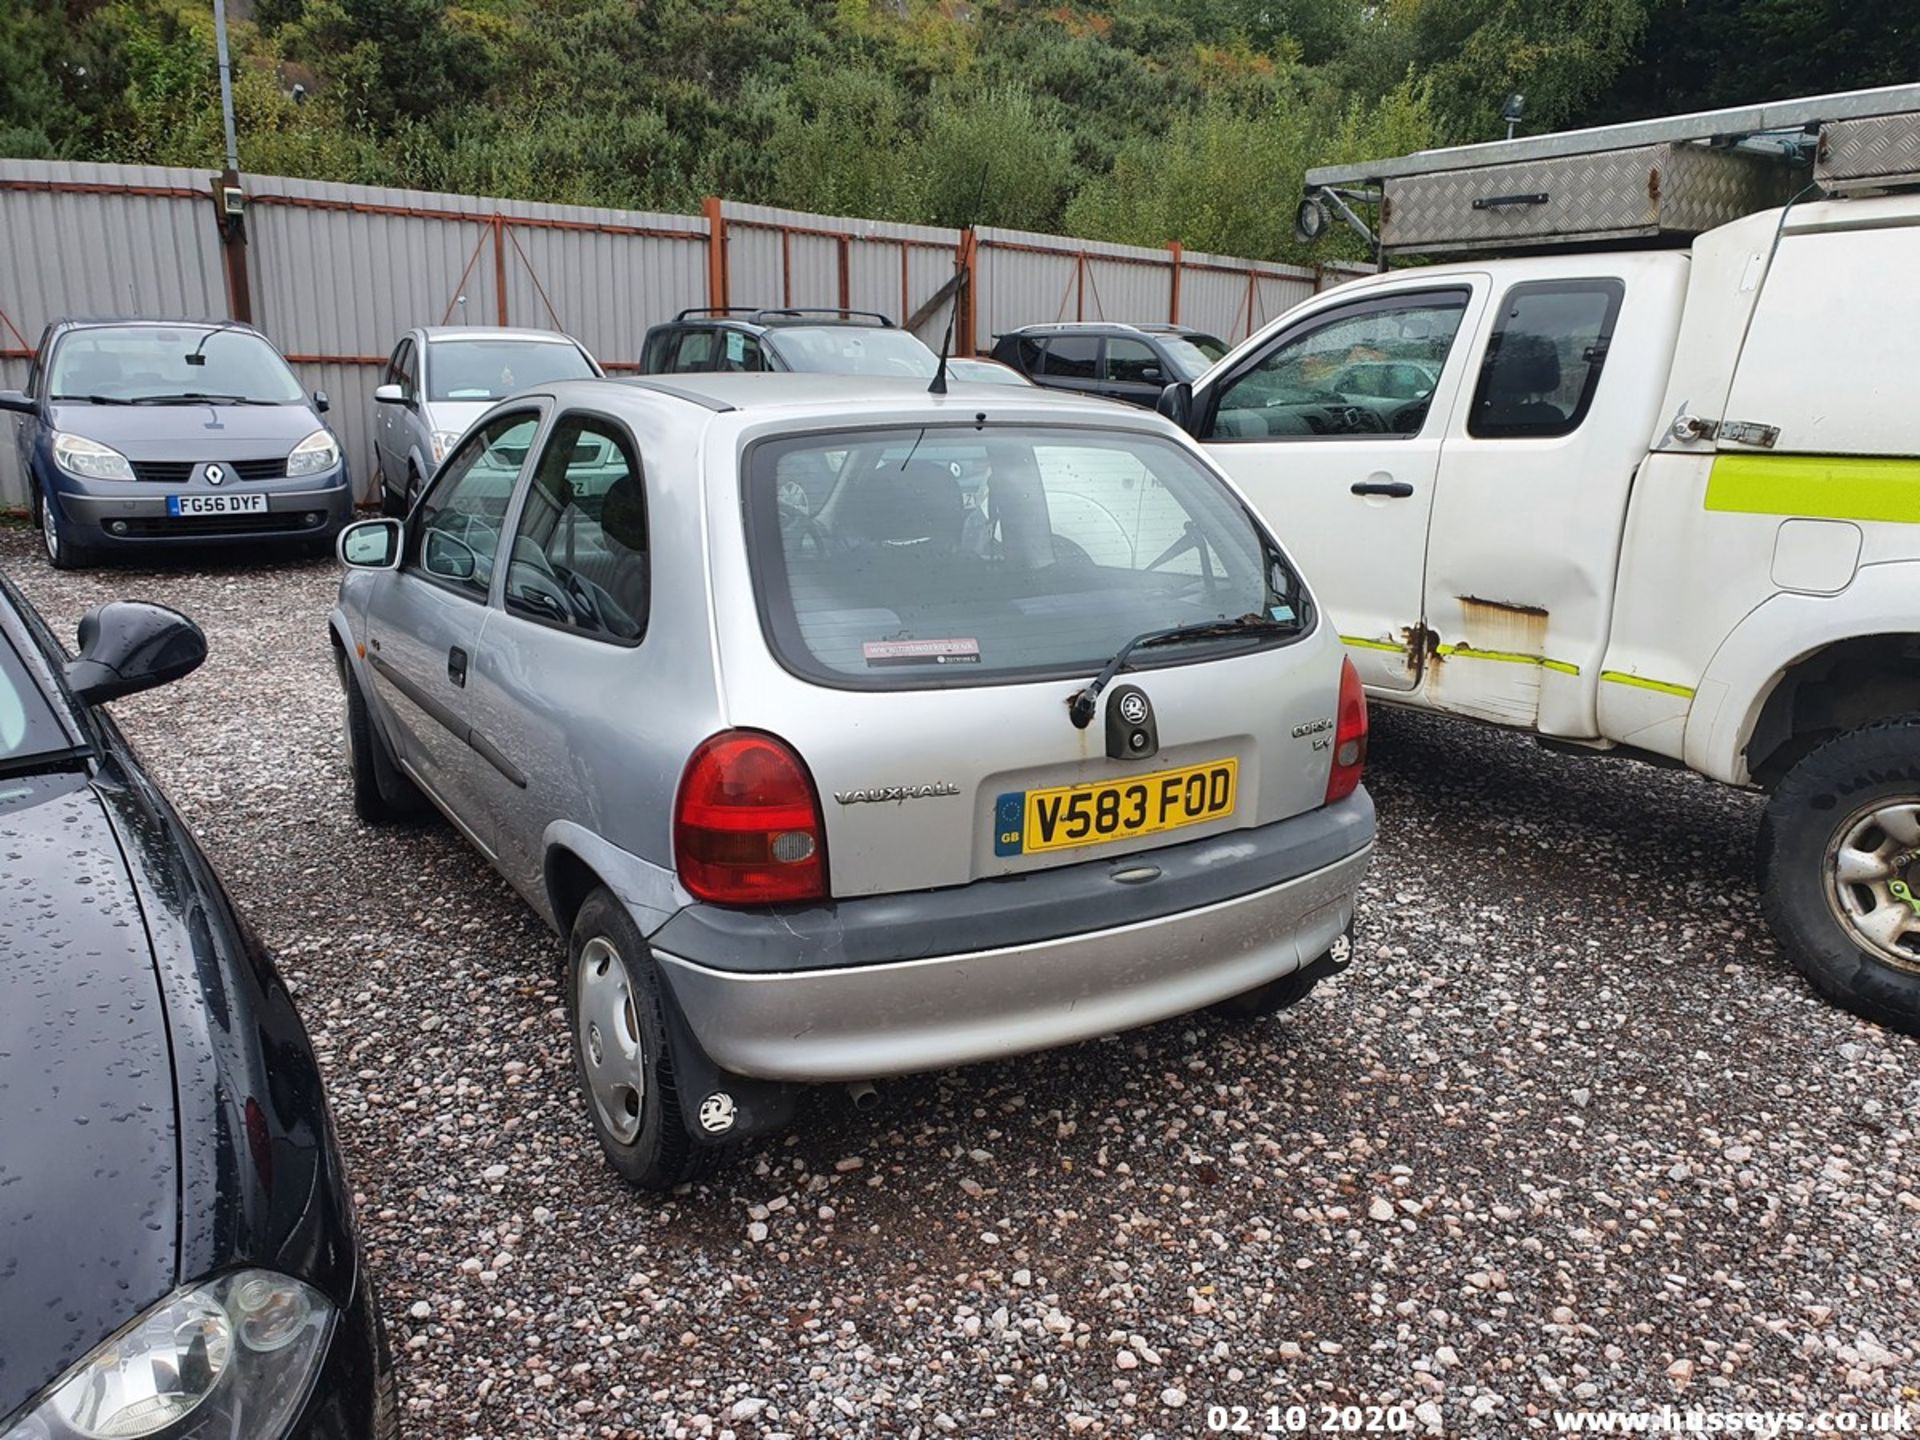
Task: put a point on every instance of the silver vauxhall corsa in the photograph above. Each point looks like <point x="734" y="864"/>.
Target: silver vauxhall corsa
<point x="848" y="730"/>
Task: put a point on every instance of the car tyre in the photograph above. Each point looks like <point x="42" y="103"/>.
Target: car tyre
<point x="1839" y="840"/>
<point x="391" y="505"/>
<point x="615" y="1009"/>
<point x="63" y="552"/>
<point x="382" y="793"/>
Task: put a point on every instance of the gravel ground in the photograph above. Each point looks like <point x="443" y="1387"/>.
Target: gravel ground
<point x="1569" y="1133"/>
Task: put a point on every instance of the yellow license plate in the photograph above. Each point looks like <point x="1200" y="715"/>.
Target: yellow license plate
<point x="1030" y="821"/>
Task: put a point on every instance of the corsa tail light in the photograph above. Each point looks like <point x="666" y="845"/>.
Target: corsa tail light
<point x="746" y="826"/>
<point x="1349" y="736"/>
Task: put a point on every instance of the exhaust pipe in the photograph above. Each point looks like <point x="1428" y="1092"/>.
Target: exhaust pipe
<point x="863" y="1095"/>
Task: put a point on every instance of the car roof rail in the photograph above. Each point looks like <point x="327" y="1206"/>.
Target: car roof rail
<point x="810" y="312"/>
<point x="715" y="310"/>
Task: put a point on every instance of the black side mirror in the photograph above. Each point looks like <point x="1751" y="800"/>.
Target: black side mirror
<point x="320" y="402"/>
<point x="1176" y="403"/>
<point x="16" y="401"/>
<point x="130" y="645"/>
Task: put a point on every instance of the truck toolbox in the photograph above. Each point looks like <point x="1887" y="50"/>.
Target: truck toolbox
<point x="1875" y="154"/>
<point x="1649" y="190"/>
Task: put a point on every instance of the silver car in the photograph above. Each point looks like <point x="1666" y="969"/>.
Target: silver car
<point x="440" y="379"/>
<point x="849" y="730"/>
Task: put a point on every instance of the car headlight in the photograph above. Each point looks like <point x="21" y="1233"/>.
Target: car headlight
<point x="89" y="459"/>
<point x="231" y="1356"/>
<point x="319" y="451"/>
<point x="443" y="441"/>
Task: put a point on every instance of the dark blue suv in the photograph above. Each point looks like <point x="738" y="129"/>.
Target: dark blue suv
<point x="173" y="432"/>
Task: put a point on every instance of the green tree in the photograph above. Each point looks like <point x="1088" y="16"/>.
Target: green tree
<point x="994" y="155"/>
<point x="840" y="144"/>
<point x="1560" y="54"/>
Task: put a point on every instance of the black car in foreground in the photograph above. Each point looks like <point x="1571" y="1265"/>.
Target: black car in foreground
<point x="177" y="1252"/>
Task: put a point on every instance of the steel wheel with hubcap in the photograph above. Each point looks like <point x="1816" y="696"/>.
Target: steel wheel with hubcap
<point x="610" y="1045"/>
<point x="614" y="1004"/>
<point x="1840" y="869"/>
<point x="1873" y="878"/>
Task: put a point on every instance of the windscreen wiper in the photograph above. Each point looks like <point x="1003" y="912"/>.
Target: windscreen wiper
<point x="1081" y="707"/>
<point x="43" y="762"/>
<point x="91" y="399"/>
<point x="195" y="397"/>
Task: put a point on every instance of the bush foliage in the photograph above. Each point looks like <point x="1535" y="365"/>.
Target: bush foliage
<point x="1133" y="120"/>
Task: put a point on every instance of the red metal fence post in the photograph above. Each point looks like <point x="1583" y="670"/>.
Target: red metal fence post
<point x="233" y="243"/>
<point x="846" y="271"/>
<point x="500" y="267"/>
<point x="715" y="212"/>
<point x="1173" y="298"/>
<point x="969" y="297"/>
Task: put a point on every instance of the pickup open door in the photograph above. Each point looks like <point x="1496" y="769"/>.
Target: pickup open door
<point x="1333" y="425"/>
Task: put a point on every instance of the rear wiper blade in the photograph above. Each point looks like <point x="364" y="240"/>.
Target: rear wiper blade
<point x="1081" y="707"/>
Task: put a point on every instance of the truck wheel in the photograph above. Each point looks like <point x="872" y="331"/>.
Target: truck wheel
<point x="620" y="1049"/>
<point x="1840" y="870"/>
<point x="381" y="790"/>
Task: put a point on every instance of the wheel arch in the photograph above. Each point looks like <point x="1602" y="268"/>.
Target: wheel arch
<point x="1741" y="726"/>
<point x="1828" y="691"/>
<point x="568" y="880"/>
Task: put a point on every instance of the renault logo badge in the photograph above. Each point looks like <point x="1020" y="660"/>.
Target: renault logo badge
<point x="215" y="474"/>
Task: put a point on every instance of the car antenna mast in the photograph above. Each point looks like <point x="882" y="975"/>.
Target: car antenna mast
<point x="939" y="385"/>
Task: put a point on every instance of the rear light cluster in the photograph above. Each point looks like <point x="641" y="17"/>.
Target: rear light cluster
<point x="1349" y="736"/>
<point x="746" y="826"/>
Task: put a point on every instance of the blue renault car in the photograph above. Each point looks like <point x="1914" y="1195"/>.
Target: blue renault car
<point x="142" y="433"/>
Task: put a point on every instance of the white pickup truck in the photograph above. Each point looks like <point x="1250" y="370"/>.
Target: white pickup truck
<point x="1648" y="501"/>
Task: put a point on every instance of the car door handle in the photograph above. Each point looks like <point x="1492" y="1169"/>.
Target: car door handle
<point x="457" y="665"/>
<point x="1396" y="489"/>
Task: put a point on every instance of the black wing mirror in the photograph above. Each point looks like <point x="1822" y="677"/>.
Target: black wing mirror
<point x="320" y="402"/>
<point x="1176" y="403"/>
<point x="16" y="401"/>
<point x="130" y="645"/>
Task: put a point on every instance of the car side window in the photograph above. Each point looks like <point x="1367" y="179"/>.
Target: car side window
<point x="1133" y="362"/>
<point x="694" y="352"/>
<point x="1543" y="359"/>
<point x="37" y="370"/>
<point x="579" y="558"/>
<point x="739" y="351"/>
<point x="1073" y="356"/>
<point x="1030" y="352"/>
<point x="456" y="531"/>
<point x="1292" y="392"/>
<point x="401" y="370"/>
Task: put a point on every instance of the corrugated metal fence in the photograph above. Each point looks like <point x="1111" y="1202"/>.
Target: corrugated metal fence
<point x="333" y="273"/>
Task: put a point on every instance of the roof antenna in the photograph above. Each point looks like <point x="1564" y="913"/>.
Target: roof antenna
<point x="939" y="385"/>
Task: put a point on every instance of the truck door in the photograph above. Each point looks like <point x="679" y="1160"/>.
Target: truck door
<point x="1345" y="474"/>
<point x="1538" y="464"/>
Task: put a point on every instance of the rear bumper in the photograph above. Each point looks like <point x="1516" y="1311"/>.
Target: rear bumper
<point x="930" y="1011"/>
